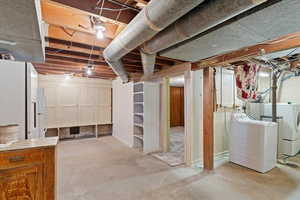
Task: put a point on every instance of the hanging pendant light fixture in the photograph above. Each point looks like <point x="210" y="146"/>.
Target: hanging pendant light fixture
<point x="98" y="26"/>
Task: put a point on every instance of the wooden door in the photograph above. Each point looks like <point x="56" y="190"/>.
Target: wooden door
<point x="24" y="183"/>
<point x="176" y="106"/>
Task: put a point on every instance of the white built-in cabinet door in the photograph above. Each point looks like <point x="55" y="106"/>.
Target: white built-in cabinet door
<point x="77" y="102"/>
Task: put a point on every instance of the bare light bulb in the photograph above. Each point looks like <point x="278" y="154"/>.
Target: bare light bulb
<point x="89" y="71"/>
<point x="100" y="34"/>
<point x="100" y="27"/>
<point x="67" y="76"/>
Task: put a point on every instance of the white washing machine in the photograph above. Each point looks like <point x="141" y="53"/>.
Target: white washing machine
<point x="253" y="143"/>
<point x="289" y="127"/>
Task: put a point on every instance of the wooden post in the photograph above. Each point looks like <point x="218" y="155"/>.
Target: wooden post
<point x="208" y="118"/>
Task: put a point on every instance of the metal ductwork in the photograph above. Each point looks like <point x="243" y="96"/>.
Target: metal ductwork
<point x="199" y="20"/>
<point x="156" y="16"/>
<point x="148" y="62"/>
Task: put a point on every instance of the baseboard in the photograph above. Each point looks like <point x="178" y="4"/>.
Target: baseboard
<point x="217" y="157"/>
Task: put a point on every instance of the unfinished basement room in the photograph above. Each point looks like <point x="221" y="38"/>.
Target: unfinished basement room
<point x="150" y="100"/>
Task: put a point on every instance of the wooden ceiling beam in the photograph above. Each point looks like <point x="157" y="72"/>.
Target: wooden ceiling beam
<point x="63" y="54"/>
<point x="54" y="72"/>
<point x="67" y="47"/>
<point x="67" y="51"/>
<point x="282" y="43"/>
<point x="79" y="61"/>
<point x="76" y="20"/>
<point x="85" y="46"/>
<point x="75" y="60"/>
<point x="75" y="71"/>
<point x="72" y="69"/>
<point x="58" y="62"/>
<point x="70" y="36"/>
<point x="90" y="6"/>
<point x="175" y="70"/>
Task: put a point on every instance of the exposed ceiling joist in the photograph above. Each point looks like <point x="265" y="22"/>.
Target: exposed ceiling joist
<point x="86" y="48"/>
<point x="71" y="39"/>
<point x="66" y="34"/>
<point x="90" y="6"/>
<point x="75" y="20"/>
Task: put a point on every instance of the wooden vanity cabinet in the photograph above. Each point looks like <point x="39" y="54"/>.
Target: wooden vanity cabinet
<point x="28" y="174"/>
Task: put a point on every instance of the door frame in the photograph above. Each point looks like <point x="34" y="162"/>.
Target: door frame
<point x="188" y="115"/>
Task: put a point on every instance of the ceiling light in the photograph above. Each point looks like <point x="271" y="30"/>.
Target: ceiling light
<point x="98" y="24"/>
<point x="68" y="76"/>
<point x="99" y="27"/>
<point x="89" y="70"/>
<point x="100" y="34"/>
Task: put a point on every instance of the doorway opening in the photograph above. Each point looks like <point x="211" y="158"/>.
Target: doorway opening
<point x="174" y="153"/>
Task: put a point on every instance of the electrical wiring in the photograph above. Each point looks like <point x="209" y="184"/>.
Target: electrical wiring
<point x="112" y="9"/>
<point x="121" y="11"/>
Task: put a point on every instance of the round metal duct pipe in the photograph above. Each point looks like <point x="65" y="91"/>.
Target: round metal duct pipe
<point x="156" y="16"/>
<point x="199" y="20"/>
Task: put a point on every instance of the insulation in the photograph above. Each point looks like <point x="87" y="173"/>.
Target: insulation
<point x="271" y="22"/>
<point x="197" y="21"/>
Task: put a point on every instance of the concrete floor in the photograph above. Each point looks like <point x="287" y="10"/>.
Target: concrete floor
<point x="94" y="169"/>
<point x="175" y="156"/>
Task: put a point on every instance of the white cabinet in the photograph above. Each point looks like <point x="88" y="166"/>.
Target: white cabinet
<point x="123" y="111"/>
<point x="12" y="90"/>
<point x="17" y="87"/>
<point x="76" y="102"/>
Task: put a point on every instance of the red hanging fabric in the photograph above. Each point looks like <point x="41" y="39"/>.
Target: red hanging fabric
<point x="247" y="82"/>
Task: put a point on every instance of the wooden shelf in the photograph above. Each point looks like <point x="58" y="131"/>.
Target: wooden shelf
<point x="139" y="137"/>
<point x="139" y="114"/>
<point x="139" y="83"/>
<point x="138" y="92"/>
<point x="139" y="103"/>
<point x="139" y="125"/>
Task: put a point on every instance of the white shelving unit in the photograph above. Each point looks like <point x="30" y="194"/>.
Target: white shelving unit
<point x="146" y="116"/>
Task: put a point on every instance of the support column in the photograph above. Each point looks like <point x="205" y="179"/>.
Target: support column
<point x="274" y="97"/>
<point x="208" y="118"/>
<point x="165" y="115"/>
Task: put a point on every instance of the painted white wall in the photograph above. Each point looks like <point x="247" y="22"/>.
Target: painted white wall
<point x="123" y="111"/>
<point x="225" y="88"/>
<point x="194" y="116"/>
<point x="177" y="81"/>
<point x="12" y="90"/>
<point x="290" y="91"/>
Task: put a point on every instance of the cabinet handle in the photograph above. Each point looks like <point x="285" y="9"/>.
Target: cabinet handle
<point x="16" y="158"/>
